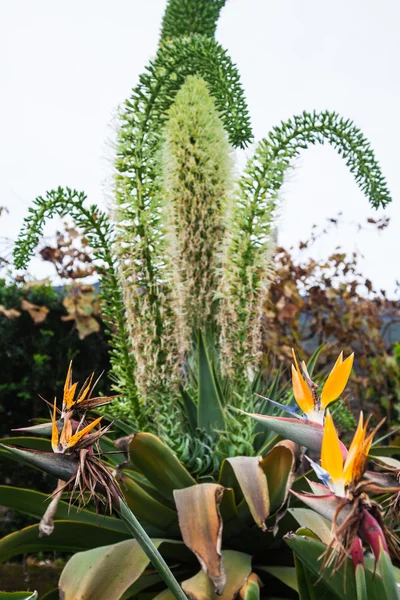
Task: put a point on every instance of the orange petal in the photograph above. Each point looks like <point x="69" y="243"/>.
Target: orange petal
<point x="68" y="379"/>
<point x="354" y="449"/>
<point x="331" y="454"/>
<point x="54" y="430"/>
<point x="302" y="392"/>
<point x="80" y="434"/>
<point x="69" y="395"/>
<point x="337" y="380"/>
<point x="85" y="391"/>
<point x="338" y="362"/>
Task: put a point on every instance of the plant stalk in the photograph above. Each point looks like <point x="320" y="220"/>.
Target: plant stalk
<point x="149" y="549"/>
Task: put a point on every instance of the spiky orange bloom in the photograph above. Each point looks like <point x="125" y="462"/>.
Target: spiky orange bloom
<point x="62" y="442"/>
<point x="352" y="469"/>
<point x="305" y="390"/>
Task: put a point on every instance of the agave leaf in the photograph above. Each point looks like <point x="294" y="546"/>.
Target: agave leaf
<point x="201" y="527"/>
<point x="210" y="414"/>
<point x="250" y="590"/>
<point x="245" y="475"/>
<point x="384" y="451"/>
<point x="147" y="509"/>
<point x="159" y="464"/>
<point x="237" y="567"/>
<point x="32" y="443"/>
<point x="279" y="465"/>
<point x="388" y="461"/>
<point x="325" y="506"/>
<point x="190" y="408"/>
<point x="285" y="574"/>
<point x="18" y="596"/>
<point x="30" y="502"/>
<point x="313" y="521"/>
<point x="68" y="536"/>
<point x="62" y="466"/>
<point x="105" y="572"/>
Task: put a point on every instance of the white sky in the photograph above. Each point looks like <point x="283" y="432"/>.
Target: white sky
<point x="65" y="67"/>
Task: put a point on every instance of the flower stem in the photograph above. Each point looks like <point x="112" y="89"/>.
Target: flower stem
<point x="150" y="550"/>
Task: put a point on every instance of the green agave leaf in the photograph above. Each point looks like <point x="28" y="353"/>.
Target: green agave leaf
<point x="285" y="574"/>
<point x="251" y="588"/>
<point x="159" y="464"/>
<point x="107" y="572"/>
<point x="309" y="552"/>
<point x="384" y="451"/>
<point x="210" y="415"/>
<point x="313" y="521"/>
<point x="189" y="407"/>
<point x="68" y="536"/>
<point x="18" y="596"/>
<point x="32" y="443"/>
<point x="147" y="509"/>
<point x="52" y="595"/>
<point x="30" y="502"/>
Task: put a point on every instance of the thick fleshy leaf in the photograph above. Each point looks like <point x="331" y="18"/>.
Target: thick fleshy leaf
<point x="201" y="527"/>
<point x="313" y="521"/>
<point x="210" y="413"/>
<point x="325" y="506"/>
<point x="251" y="588"/>
<point x="190" y="408"/>
<point x="68" y="536"/>
<point x="384" y="451"/>
<point x="302" y="432"/>
<point x="388" y="461"/>
<point x="279" y="466"/>
<point x="30" y="502"/>
<point x="159" y="464"/>
<point x="62" y="466"/>
<point x="285" y="574"/>
<point x="246" y="473"/>
<point x="147" y="509"/>
<point x="18" y="596"/>
<point x="104" y="573"/>
<point x="32" y="443"/>
<point x="237" y="568"/>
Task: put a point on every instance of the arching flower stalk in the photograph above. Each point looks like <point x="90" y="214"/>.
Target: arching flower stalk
<point x="344" y="498"/>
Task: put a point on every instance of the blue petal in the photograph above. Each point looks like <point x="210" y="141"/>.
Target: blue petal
<point x="292" y="410"/>
<point x="320" y="472"/>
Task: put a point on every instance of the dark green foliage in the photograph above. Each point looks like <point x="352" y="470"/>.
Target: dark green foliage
<point x="185" y="17"/>
<point x="34" y="361"/>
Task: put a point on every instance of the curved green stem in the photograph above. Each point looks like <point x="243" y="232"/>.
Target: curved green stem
<point x="150" y="550"/>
